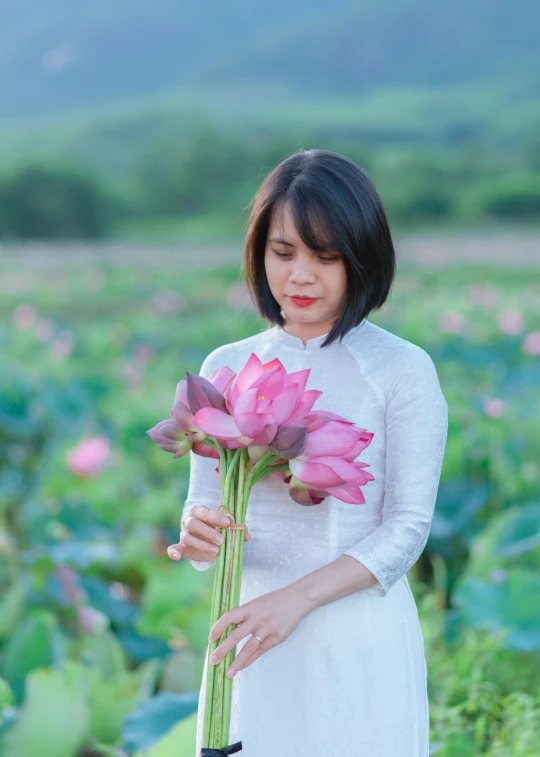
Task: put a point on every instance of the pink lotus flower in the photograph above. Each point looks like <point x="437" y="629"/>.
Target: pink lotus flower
<point x="70" y="585"/>
<point x="452" y="322"/>
<point x="24" y="316"/>
<point x="91" y="620"/>
<point x="326" y="466"/>
<point x="171" y="437"/>
<point x="89" y="457"/>
<point x="511" y="322"/>
<point x="269" y="412"/>
<point x="494" y="407"/>
<point x="531" y="343"/>
<point x="259" y="399"/>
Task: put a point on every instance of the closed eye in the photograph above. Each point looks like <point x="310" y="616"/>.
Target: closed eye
<point x="285" y="255"/>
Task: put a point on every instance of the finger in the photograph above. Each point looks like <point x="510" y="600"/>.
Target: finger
<point x="242" y="662"/>
<point x="194" y="544"/>
<point x="179" y="551"/>
<point x="175" y="551"/>
<point x="247" y="535"/>
<point x="212" y="517"/>
<point x="234" y="638"/>
<point x="248" y="654"/>
<point x="235" y="616"/>
<point x="197" y="527"/>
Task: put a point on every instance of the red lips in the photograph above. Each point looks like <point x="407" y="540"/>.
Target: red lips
<point x="303" y="301"/>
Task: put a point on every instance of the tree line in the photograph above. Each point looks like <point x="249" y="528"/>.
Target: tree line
<point x="215" y="172"/>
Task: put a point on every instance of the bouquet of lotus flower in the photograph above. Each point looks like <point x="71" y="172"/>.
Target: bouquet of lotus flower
<point x="257" y="422"/>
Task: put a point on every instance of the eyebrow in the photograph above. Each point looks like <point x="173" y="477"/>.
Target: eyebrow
<point x="280" y="240"/>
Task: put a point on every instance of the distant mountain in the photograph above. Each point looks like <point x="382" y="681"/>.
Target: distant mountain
<point x="396" y="42"/>
<point x="59" y="54"/>
<point x="92" y="82"/>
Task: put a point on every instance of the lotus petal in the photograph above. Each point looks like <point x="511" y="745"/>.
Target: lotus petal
<point x="270" y="384"/>
<point x="205" y="450"/>
<point x="221" y="378"/>
<point x="267" y="435"/>
<point x="302" y="494"/>
<point x="201" y="393"/>
<point x="331" y="438"/>
<point x="284" y="404"/>
<point x="251" y="424"/>
<point x="343" y="468"/>
<point x="289" y="441"/>
<point x="249" y="373"/>
<point x="317" y="473"/>
<point x="351" y="494"/>
<point x="298" y="377"/>
<point x="303" y="408"/>
<point x="216" y="423"/>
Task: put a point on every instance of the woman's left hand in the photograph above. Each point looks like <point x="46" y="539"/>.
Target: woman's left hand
<point x="272" y="617"/>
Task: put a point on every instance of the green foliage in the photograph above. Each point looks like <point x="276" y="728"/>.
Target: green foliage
<point x="483" y="696"/>
<point x="70" y="544"/>
<point x="38" y="202"/>
<point x="53" y="696"/>
<point x="512" y="197"/>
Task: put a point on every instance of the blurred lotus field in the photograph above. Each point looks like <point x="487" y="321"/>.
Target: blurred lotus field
<point x="101" y="631"/>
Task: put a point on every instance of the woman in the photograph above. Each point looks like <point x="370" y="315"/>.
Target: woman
<point x="329" y="650"/>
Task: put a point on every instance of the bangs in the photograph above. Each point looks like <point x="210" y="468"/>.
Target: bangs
<point x="313" y="218"/>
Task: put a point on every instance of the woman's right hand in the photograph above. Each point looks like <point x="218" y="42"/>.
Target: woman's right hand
<point x="200" y="537"/>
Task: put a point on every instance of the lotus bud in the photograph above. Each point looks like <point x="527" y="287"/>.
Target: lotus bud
<point x="289" y="441"/>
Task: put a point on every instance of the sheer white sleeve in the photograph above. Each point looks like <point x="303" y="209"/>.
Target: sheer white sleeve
<point x="204" y="481"/>
<point x="416" y="432"/>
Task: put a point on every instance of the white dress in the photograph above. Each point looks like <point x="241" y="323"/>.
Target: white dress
<point x="351" y="679"/>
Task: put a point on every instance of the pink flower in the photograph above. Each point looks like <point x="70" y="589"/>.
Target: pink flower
<point x="181" y="434"/>
<point x="327" y="466"/>
<point x="171" y="437"/>
<point x="452" y="322"/>
<point x="24" y="316"/>
<point x="531" y="343"/>
<point x="89" y="457"/>
<point x="63" y="345"/>
<point x="494" y="407"/>
<point x="269" y="412"/>
<point x="142" y="353"/>
<point x="70" y="585"/>
<point x="511" y="322"/>
<point x="259" y="399"/>
<point x="91" y="620"/>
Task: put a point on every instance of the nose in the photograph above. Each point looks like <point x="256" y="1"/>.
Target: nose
<point x="302" y="272"/>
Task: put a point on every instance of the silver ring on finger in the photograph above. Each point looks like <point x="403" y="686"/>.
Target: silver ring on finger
<point x="255" y="635"/>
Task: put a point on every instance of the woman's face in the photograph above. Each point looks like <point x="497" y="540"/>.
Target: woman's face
<point x="293" y="269"/>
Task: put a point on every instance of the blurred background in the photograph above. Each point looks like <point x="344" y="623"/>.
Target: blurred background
<point x="132" y="138"/>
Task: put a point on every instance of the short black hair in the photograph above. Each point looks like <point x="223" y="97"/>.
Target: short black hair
<point x="334" y="206"/>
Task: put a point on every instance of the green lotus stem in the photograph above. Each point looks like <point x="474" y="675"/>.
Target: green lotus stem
<point x="238" y="541"/>
<point x="238" y="476"/>
<point x="225" y="566"/>
<point x="254" y="471"/>
<point x="216" y="611"/>
<point x="214" y="615"/>
<point x="269" y="469"/>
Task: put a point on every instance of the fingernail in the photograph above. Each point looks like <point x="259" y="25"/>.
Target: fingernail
<point x="224" y="521"/>
<point x="211" y="637"/>
<point x="230" y="672"/>
<point x="173" y="553"/>
<point x="214" y="550"/>
<point x="218" y="539"/>
<point x="214" y="658"/>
